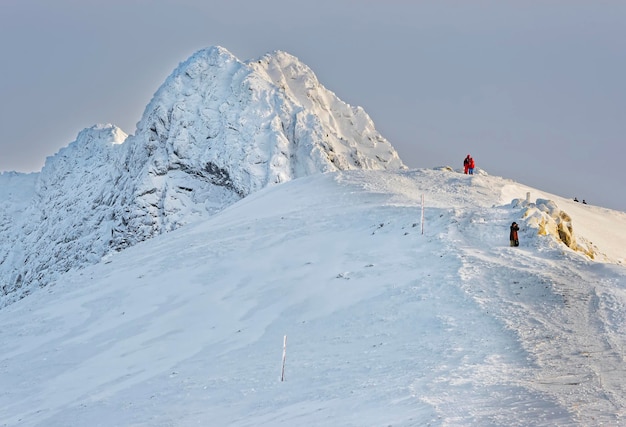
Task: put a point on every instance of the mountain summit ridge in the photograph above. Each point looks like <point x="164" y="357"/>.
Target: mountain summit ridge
<point x="217" y="130"/>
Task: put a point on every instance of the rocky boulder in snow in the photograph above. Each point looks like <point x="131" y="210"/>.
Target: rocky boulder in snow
<point x="549" y="220"/>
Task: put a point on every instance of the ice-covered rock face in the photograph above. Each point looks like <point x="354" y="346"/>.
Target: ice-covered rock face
<point x="64" y="225"/>
<point x="327" y="131"/>
<point x="549" y="220"/>
<point x="217" y="130"/>
<point x="258" y="124"/>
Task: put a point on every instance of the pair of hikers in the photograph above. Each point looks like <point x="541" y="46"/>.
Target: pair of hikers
<point x="468" y="168"/>
<point x="468" y="165"/>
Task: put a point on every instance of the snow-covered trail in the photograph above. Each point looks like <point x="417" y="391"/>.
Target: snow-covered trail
<point x="569" y="326"/>
<point x="385" y="325"/>
<point x="463" y="372"/>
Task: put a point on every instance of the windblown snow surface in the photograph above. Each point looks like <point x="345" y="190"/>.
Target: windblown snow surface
<point x="386" y="325"/>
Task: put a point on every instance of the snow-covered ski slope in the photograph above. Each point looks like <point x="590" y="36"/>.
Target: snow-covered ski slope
<point x="385" y="326"/>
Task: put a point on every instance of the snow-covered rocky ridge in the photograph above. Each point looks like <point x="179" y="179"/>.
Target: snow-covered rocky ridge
<point x="216" y="131"/>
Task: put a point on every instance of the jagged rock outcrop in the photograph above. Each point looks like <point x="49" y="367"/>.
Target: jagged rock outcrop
<point x="64" y="224"/>
<point x="549" y="220"/>
<point x="217" y="130"/>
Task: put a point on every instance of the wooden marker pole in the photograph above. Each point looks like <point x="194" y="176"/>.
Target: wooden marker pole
<point x="422" y="214"/>
<point x="282" y="373"/>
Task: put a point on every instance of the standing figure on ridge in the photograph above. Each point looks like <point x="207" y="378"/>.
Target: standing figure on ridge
<point x="513" y="235"/>
<point x="466" y="164"/>
<point x="471" y="166"/>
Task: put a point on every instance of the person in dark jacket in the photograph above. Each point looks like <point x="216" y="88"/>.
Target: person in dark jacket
<point x="513" y="235"/>
<point x="466" y="164"/>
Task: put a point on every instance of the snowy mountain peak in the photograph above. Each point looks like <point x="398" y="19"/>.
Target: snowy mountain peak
<point x="260" y="123"/>
<point x="217" y="130"/>
<point x="92" y="149"/>
<point x="342" y="125"/>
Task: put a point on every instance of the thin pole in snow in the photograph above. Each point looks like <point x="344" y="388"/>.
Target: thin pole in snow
<point x="422" y="214"/>
<point x="282" y="373"/>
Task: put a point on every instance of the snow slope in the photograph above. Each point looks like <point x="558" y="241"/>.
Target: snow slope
<point x="385" y="326"/>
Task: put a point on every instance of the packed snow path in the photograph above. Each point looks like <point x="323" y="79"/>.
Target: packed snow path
<point x="564" y="315"/>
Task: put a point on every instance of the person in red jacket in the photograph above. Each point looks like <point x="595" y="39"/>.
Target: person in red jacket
<point x="466" y="164"/>
<point x="471" y="166"/>
<point x="513" y="235"/>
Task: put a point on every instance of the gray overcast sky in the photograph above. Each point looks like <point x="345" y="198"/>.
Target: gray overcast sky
<point x="535" y="90"/>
